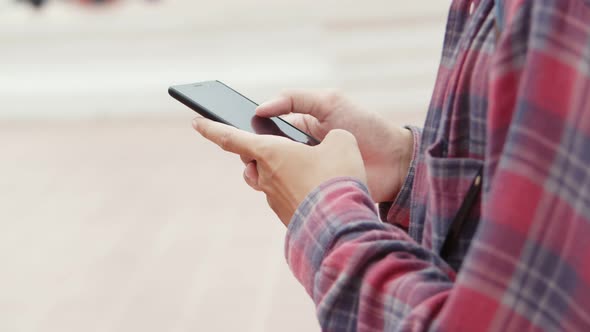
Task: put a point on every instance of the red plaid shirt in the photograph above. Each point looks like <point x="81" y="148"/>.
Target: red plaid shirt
<point x="512" y="98"/>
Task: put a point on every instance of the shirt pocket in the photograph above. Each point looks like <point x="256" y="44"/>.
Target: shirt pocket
<point x="449" y="182"/>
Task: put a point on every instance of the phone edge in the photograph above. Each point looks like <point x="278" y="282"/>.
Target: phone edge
<point x="190" y="103"/>
<point x="316" y="141"/>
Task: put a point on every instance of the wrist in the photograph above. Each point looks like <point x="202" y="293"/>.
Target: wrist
<point x="406" y="154"/>
<point x="402" y="152"/>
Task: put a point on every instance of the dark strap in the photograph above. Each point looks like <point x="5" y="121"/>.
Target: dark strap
<point x="452" y="238"/>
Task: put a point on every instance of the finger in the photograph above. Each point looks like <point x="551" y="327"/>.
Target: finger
<point x="274" y="107"/>
<point x="251" y="171"/>
<point x="246" y="159"/>
<point x="227" y="137"/>
<point x="339" y="137"/>
<point x="251" y="175"/>
<point x="296" y="120"/>
<point x="295" y="101"/>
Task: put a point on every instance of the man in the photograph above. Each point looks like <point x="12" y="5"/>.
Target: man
<point x="485" y="211"/>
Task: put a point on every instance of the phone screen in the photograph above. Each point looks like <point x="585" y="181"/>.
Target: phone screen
<point x="219" y="102"/>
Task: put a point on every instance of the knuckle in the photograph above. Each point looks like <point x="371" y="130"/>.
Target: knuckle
<point x="267" y="151"/>
<point x="272" y="172"/>
<point x="204" y="130"/>
<point x="262" y="183"/>
<point x="268" y="177"/>
<point x="226" y="140"/>
<point x="333" y="96"/>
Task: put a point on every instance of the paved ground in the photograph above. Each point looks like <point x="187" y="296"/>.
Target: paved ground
<point x="114" y="215"/>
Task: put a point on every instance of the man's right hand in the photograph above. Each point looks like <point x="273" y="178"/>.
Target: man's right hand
<point x="386" y="149"/>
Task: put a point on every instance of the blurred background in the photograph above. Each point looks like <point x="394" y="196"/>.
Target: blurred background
<point x="114" y="214"/>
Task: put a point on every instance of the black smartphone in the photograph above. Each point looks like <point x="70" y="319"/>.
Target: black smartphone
<point x="218" y="102"/>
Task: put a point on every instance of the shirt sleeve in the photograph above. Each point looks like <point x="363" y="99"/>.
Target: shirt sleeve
<point x="397" y="212"/>
<point x="527" y="266"/>
<point x="359" y="271"/>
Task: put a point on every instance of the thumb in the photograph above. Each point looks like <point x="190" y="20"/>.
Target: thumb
<point x="302" y="102"/>
<point x="339" y="137"/>
<point x="341" y="148"/>
<point x="274" y="107"/>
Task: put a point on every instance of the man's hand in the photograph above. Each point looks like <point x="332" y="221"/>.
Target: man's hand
<point x="287" y="171"/>
<point x="386" y="149"/>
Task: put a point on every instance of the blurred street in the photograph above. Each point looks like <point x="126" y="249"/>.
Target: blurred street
<point x="115" y="215"/>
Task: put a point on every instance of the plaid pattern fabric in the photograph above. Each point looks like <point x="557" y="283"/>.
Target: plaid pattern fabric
<point x="512" y="96"/>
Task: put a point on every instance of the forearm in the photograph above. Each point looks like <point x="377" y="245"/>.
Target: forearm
<point x="357" y="269"/>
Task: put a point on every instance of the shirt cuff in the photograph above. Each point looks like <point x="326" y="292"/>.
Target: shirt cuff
<point x="397" y="212"/>
<point x="319" y="221"/>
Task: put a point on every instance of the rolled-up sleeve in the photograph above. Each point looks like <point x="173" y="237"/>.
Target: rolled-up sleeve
<point x="397" y="212"/>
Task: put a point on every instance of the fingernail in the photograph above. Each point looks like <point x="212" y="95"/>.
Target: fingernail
<point x="250" y="171"/>
<point x="196" y="123"/>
